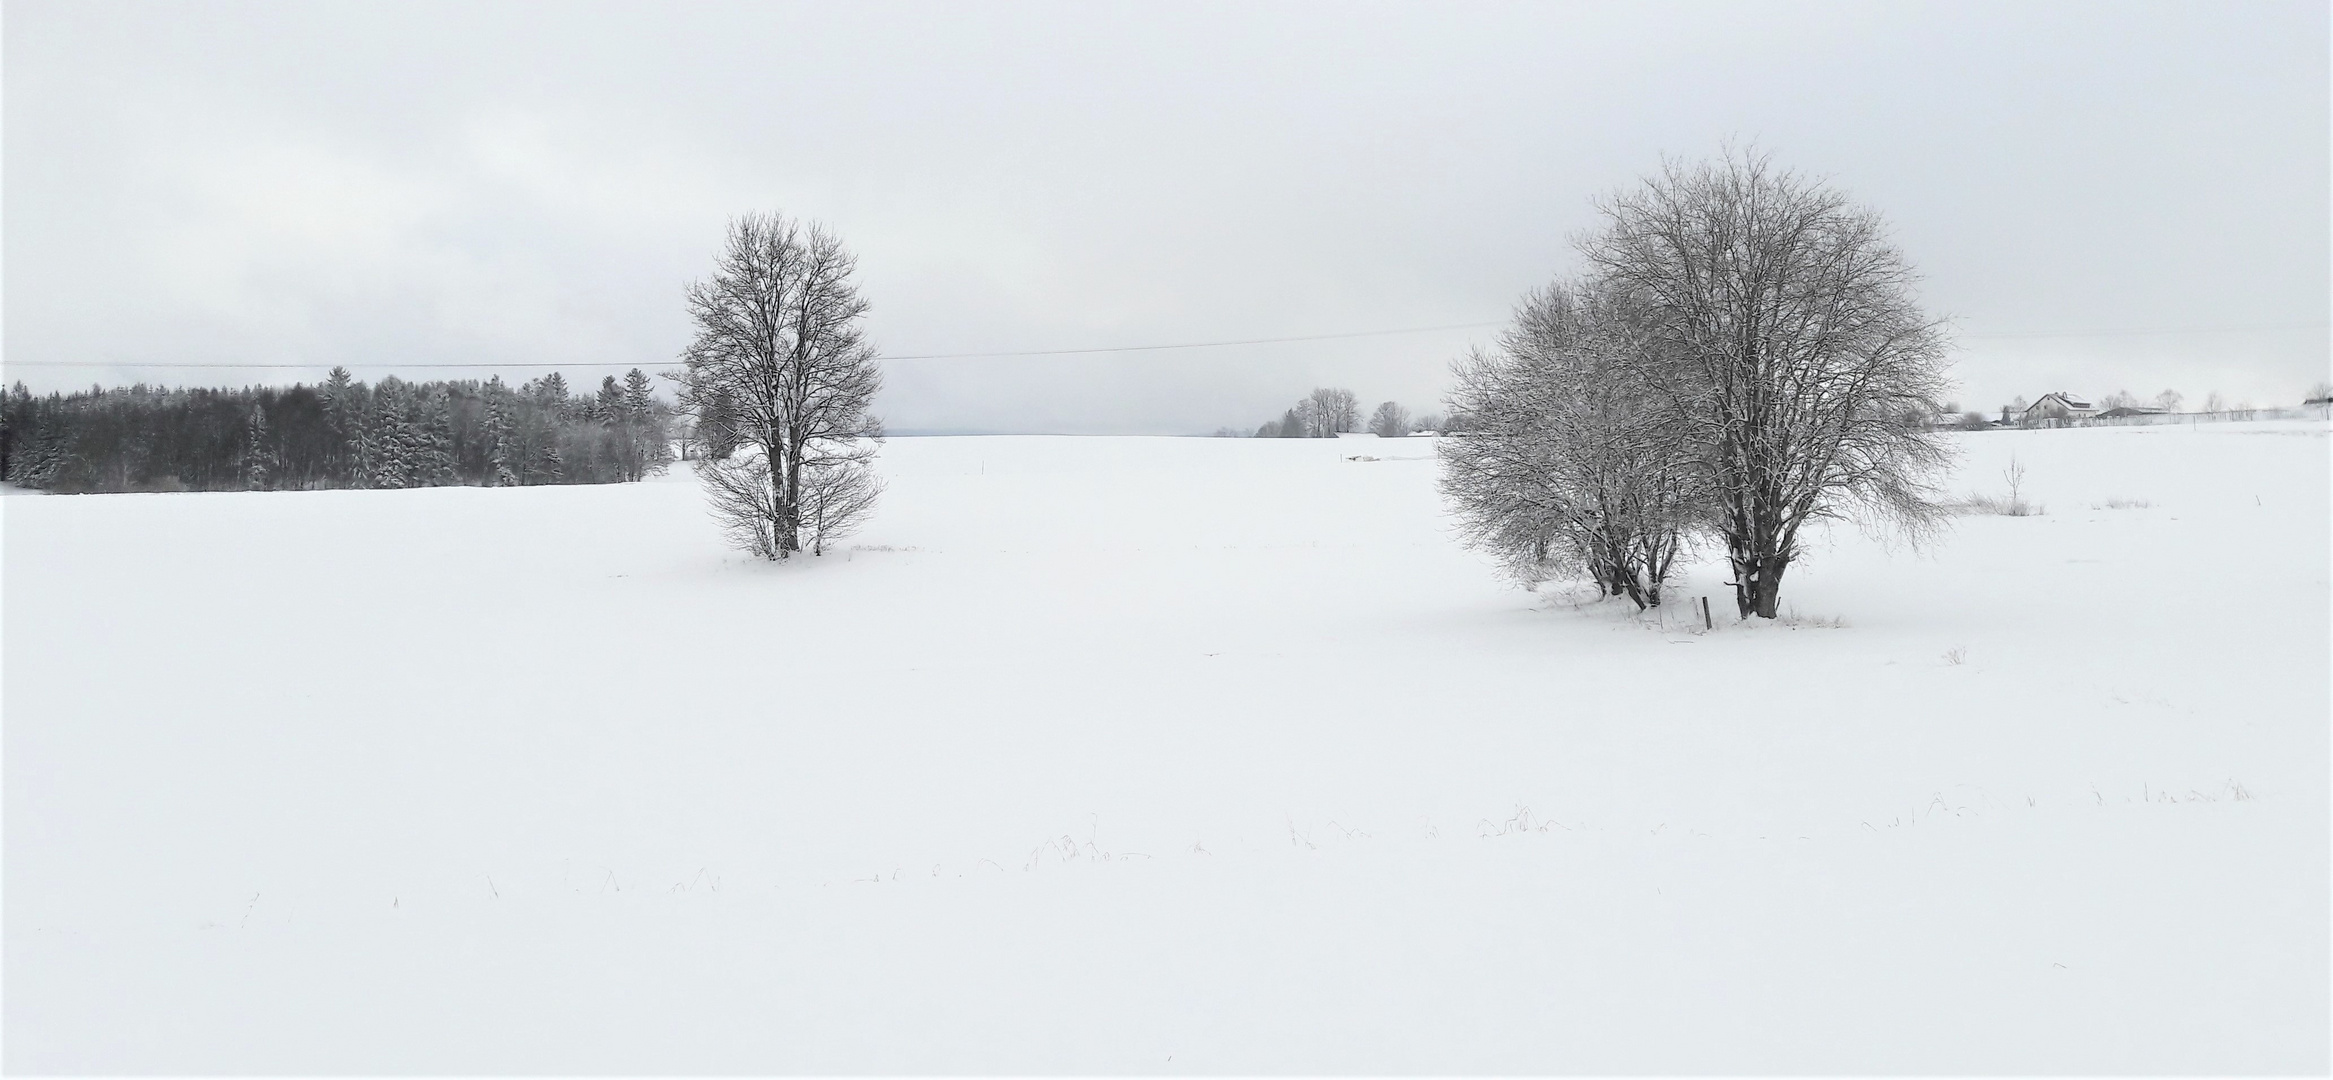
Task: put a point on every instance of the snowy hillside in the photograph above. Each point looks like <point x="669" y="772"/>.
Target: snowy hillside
<point x="1163" y="755"/>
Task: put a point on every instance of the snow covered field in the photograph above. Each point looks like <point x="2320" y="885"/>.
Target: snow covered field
<point x="1124" y="755"/>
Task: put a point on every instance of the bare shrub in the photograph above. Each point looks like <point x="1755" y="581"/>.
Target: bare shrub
<point x="838" y="495"/>
<point x="1980" y="503"/>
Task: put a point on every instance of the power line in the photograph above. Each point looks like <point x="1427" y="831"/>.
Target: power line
<point x="1198" y="344"/>
<point x="1098" y="350"/>
<point x="906" y="356"/>
<point x="2137" y="332"/>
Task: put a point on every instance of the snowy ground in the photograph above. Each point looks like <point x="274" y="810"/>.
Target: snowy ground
<point x="1164" y="755"/>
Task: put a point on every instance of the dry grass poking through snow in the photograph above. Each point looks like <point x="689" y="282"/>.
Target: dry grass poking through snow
<point x="2000" y="505"/>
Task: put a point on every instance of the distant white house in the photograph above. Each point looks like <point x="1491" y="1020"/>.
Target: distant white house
<point x="2057" y="405"/>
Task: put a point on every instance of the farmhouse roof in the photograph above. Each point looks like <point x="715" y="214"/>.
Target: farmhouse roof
<point x="2062" y="398"/>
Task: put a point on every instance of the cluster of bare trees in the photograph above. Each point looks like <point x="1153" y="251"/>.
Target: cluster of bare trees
<point x="1330" y="410"/>
<point x="1744" y="356"/>
<point x="781" y="376"/>
<point x="1320" y="415"/>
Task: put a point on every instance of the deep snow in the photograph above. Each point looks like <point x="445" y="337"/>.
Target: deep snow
<point x="1162" y="755"/>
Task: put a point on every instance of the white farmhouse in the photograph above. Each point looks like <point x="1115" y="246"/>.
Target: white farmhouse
<point x="2056" y="405"/>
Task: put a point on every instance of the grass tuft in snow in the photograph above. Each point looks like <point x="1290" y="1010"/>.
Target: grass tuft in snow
<point x="1791" y="618"/>
<point x="1998" y="505"/>
<point x="1521" y="821"/>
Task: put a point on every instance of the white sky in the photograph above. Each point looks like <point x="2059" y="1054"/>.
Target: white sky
<point x="391" y="185"/>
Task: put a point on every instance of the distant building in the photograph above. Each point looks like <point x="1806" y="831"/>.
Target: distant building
<point x="2057" y="405"/>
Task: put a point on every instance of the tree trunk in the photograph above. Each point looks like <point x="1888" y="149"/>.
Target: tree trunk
<point x="1757" y="583"/>
<point x="789" y="483"/>
<point x="1766" y="589"/>
<point x="1744" y="582"/>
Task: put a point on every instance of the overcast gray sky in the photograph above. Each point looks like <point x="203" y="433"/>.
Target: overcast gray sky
<point x="2110" y="196"/>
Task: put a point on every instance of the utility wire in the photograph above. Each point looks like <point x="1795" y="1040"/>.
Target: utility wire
<point x="1201" y="344"/>
<point x="2150" y="330"/>
<point x="2125" y="332"/>
<point x="907" y="356"/>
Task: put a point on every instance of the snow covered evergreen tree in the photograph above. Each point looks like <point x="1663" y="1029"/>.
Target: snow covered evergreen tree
<point x="258" y="454"/>
<point x="434" y="441"/>
<point x="390" y="438"/>
<point x="497" y="435"/>
<point x="343" y="402"/>
<point x="648" y="445"/>
<point x="551" y="466"/>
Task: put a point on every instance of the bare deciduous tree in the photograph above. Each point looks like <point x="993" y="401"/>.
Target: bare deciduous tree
<point x="1390" y="421"/>
<point x="1570" y="463"/>
<point x="1783" y="333"/>
<point x="781" y="370"/>
<point x="1329" y="410"/>
<point x="2015" y="475"/>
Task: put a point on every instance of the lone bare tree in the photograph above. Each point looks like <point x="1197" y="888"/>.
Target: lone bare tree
<point x="781" y="369"/>
<point x="1785" y="336"/>
<point x="1390" y="421"/>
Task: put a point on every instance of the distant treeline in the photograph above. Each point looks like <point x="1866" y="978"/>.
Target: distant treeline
<point x="340" y="433"/>
<point x="1329" y="410"/>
